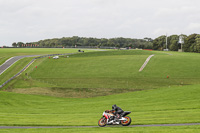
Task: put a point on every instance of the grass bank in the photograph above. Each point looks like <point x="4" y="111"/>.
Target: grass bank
<point x="109" y="72"/>
<point x="164" y="105"/>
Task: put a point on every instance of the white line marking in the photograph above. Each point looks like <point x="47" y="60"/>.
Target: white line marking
<point x="145" y="63"/>
<point x="9" y="66"/>
<point x="6" y="61"/>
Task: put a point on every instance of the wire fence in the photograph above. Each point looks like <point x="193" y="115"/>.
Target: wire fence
<point x="29" y="65"/>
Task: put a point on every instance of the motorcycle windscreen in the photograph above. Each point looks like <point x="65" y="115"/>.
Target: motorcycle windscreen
<point x="125" y="113"/>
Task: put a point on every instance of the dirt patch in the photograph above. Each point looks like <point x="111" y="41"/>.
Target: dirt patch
<point x="71" y="92"/>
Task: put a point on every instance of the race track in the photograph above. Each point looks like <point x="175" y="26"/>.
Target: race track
<point x="11" y="61"/>
<point x="152" y="125"/>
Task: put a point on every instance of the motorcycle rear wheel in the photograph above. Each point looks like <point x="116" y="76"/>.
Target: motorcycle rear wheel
<point x="127" y="122"/>
<point x="102" y="122"/>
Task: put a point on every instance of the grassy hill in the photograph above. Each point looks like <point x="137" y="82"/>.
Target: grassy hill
<point x="164" y="105"/>
<point x="97" y="75"/>
<point x="91" y="74"/>
<point x="108" y="72"/>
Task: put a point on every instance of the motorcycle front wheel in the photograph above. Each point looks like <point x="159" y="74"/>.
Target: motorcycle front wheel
<point x="102" y="122"/>
<point x="127" y="121"/>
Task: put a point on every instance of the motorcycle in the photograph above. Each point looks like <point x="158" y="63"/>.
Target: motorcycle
<point x="110" y="119"/>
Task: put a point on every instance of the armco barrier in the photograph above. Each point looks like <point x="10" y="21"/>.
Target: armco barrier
<point x="29" y="65"/>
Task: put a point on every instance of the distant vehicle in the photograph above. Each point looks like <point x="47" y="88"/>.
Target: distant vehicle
<point x="56" y="57"/>
<point x="80" y="51"/>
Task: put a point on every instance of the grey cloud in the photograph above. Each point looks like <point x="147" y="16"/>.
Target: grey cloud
<point x="33" y="20"/>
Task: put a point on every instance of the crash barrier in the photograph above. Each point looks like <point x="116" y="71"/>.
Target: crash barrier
<point x="29" y="65"/>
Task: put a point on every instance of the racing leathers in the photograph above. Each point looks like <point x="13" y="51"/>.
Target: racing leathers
<point x="117" y="111"/>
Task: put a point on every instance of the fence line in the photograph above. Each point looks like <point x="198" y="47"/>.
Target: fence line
<point x="29" y="65"/>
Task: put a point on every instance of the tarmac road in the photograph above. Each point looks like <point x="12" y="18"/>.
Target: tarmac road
<point x="11" y="61"/>
<point x="152" y="125"/>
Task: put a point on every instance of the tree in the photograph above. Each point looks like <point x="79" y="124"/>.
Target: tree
<point x="148" y="39"/>
<point x="111" y="43"/>
<point x="20" y="44"/>
<point x="159" y="42"/>
<point x="74" y="40"/>
<point x="173" y="42"/>
<point x="14" y="44"/>
<point x="197" y="39"/>
<point x="189" y="45"/>
<point x="104" y="42"/>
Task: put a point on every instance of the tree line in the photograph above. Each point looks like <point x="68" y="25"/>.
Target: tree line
<point x="75" y="41"/>
<point x="190" y="43"/>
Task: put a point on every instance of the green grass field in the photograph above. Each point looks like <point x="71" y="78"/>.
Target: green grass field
<point x="76" y="90"/>
<point x="164" y="105"/>
<point x="110" y="72"/>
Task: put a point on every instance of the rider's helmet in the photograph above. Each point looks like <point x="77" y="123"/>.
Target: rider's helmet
<point x="114" y="106"/>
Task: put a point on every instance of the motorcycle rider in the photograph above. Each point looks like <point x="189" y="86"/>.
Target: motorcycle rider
<point x="117" y="111"/>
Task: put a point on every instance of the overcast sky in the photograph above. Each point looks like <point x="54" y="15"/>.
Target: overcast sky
<point x="34" y="20"/>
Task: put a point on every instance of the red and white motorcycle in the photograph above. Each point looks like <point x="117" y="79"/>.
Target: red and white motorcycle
<point x="110" y="119"/>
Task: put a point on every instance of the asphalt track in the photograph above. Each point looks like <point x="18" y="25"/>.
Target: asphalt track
<point x="152" y="125"/>
<point x="11" y="61"/>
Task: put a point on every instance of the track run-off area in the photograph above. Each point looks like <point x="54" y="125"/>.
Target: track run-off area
<point x="150" y="125"/>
